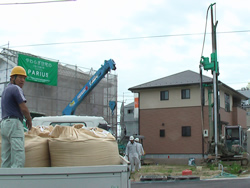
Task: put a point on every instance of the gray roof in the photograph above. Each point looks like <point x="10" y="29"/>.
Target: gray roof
<point x="187" y="77"/>
<point x="184" y="78"/>
<point x="129" y="105"/>
<point x="245" y="92"/>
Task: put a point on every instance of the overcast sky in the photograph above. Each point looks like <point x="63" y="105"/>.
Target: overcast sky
<point x="148" y="39"/>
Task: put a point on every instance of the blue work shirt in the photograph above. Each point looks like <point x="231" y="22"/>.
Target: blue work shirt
<point x="12" y="96"/>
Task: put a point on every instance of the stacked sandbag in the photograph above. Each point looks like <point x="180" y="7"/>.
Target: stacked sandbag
<point x="96" y="132"/>
<point x="64" y="132"/>
<point x="82" y="147"/>
<point x="42" y="131"/>
<point x="69" y="146"/>
<point x="36" y="151"/>
<point x="0" y="148"/>
<point x="36" y="146"/>
<point x="78" y="126"/>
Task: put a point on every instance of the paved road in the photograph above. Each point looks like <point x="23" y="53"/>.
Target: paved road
<point x="215" y="183"/>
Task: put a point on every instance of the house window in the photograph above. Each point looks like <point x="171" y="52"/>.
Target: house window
<point x="186" y="131"/>
<point x="227" y="103"/>
<point x="131" y="111"/>
<point x="185" y="94"/>
<point x="162" y="133"/>
<point x="164" y="95"/>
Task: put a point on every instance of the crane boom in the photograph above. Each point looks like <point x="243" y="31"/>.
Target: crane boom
<point x="94" y="80"/>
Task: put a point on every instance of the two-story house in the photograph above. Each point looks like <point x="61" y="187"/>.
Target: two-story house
<point x="170" y="114"/>
<point x="131" y="123"/>
<point x="246" y="104"/>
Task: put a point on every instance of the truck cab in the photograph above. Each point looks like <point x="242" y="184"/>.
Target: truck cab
<point x="70" y="120"/>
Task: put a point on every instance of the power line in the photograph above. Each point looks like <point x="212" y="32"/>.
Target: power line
<point x="241" y="82"/>
<point x="129" y="38"/>
<point x="4" y="45"/>
<point x="38" y="2"/>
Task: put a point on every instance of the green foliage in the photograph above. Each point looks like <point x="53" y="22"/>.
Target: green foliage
<point x="235" y="168"/>
<point x="192" y="169"/>
<point x="170" y="170"/>
<point x="211" y="166"/>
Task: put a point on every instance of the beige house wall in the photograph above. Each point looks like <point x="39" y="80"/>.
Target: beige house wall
<point x="222" y="99"/>
<point x="150" y="98"/>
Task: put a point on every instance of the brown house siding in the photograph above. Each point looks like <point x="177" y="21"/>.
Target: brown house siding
<point x="241" y="118"/>
<point x="151" y="121"/>
<point x="226" y="116"/>
<point x="235" y="117"/>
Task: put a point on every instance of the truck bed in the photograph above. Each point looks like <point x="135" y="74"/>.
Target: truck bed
<point x="106" y="176"/>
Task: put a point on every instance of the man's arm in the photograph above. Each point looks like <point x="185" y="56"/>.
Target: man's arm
<point x="26" y="114"/>
<point x="142" y="150"/>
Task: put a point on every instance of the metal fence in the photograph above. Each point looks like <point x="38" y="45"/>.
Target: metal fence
<point x="51" y="100"/>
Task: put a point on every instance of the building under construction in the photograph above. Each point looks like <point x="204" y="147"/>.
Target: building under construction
<point x="51" y="100"/>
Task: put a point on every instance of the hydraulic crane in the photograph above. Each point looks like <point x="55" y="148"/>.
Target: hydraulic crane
<point x="89" y="86"/>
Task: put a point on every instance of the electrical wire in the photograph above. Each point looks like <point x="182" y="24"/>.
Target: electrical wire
<point x="203" y="44"/>
<point x="4" y="45"/>
<point x="109" y="40"/>
<point x="129" y="38"/>
<point x="38" y="2"/>
<point x="237" y="82"/>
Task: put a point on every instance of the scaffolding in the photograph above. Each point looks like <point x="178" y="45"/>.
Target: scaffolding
<point x="51" y="100"/>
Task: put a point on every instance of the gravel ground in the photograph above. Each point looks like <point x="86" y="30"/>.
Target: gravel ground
<point x="203" y="172"/>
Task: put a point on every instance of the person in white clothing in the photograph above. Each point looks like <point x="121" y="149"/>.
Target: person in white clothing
<point x="140" y="150"/>
<point x="132" y="154"/>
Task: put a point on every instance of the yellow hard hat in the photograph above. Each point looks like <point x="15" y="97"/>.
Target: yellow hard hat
<point x="18" y="70"/>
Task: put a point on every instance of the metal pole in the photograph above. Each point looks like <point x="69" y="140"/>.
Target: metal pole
<point x="215" y="114"/>
<point x="202" y="113"/>
<point x="215" y="85"/>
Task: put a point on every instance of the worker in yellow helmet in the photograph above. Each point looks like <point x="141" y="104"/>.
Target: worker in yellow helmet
<point x="14" y="109"/>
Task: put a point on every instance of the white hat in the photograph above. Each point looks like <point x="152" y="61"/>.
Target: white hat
<point x="137" y="139"/>
<point x="131" y="138"/>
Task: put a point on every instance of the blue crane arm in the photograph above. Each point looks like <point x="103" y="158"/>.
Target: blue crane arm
<point x="94" y="80"/>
